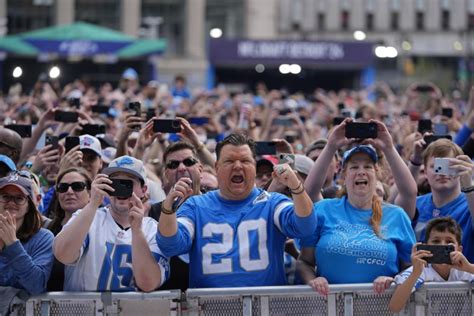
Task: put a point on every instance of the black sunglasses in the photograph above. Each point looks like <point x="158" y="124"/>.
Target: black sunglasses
<point x="188" y="162"/>
<point x="76" y="187"/>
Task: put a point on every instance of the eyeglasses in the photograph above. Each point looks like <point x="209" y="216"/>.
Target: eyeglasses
<point x="17" y="199"/>
<point x="75" y="186"/>
<point x="188" y="162"/>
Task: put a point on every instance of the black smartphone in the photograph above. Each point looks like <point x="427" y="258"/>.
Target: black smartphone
<point x="341" y="106"/>
<point x="52" y="140"/>
<point x="424" y="88"/>
<point x="166" y="126"/>
<point x="337" y="120"/>
<point x="123" y="188"/>
<point x="93" y="129"/>
<point x="432" y="138"/>
<point x="448" y="112"/>
<point x="71" y="142"/>
<point x="424" y="126"/>
<point x="199" y="120"/>
<point x="75" y="102"/>
<point x="283" y="121"/>
<point x="135" y="107"/>
<point x="265" y="148"/>
<point x="103" y="109"/>
<point x="440" y="253"/>
<point x="361" y="130"/>
<point x="290" y="138"/>
<point x="66" y="116"/>
<point x="150" y="113"/>
<point x="23" y="130"/>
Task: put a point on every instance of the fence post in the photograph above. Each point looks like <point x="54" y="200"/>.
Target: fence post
<point x="348" y="304"/>
<point x="247" y="306"/>
<point x="332" y="304"/>
<point x="421" y="302"/>
<point x="45" y="308"/>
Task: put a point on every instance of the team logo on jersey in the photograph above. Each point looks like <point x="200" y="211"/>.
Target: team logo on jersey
<point x="262" y="197"/>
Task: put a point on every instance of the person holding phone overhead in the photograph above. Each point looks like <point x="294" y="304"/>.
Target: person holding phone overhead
<point x="113" y="248"/>
<point x="443" y="233"/>
<point x="452" y="191"/>
<point x="358" y="238"/>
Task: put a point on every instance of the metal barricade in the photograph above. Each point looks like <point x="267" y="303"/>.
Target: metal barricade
<point x="107" y="303"/>
<point x="444" y="298"/>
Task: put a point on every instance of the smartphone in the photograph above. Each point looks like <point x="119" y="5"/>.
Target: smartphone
<point x="166" y="126"/>
<point x="361" y="130"/>
<point x="424" y="126"/>
<point x="66" y="117"/>
<point x="265" y="148"/>
<point x="52" y="140"/>
<point x="287" y="158"/>
<point x="23" y="130"/>
<point x="123" y="188"/>
<point x="103" y="109"/>
<point x="448" y="112"/>
<point x="440" y="129"/>
<point x="341" y="106"/>
<point x="440" y="253"/>
<point x="135" y="107"/>
<point x="424" y="88"/>
<point x="150" y="113"/>
<point x="283" y="121"/>
<point x="432" y="138"/>
<point x="290" y="138"/>
<point x="71" y="142"/>
<point x="441" y="166"/>
<point x="337" y="120"/>
<point x="75" y="102"/>
<point x="199" y="120"/>
<point x="93" y="129"/>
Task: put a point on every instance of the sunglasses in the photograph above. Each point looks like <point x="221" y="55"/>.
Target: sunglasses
<point x="75" y="186"/>
<point x="188" y="162"/>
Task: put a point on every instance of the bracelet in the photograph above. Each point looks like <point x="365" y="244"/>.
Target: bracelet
<point x="166" y="211"/>
<point x="416" y="164"/>
<point x="468" y="189"/>
<point x="298" y="190"/>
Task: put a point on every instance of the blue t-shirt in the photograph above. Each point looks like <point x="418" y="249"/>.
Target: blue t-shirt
<point x="236" y="243"/>
<point x="458" y="209"/>
<point x="28" y="265"/>
<point x="347" y="249"/>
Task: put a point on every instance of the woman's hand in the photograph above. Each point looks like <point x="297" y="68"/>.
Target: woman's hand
<point x="320" y="285"/>
<point x="382" y="283"/>
<point x="7" y="228"/>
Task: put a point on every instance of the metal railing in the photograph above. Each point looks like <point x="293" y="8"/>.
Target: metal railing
<point x="446" y="298"/>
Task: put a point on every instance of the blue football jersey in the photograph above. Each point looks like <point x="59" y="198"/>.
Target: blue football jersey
<point x="236" y="243"/>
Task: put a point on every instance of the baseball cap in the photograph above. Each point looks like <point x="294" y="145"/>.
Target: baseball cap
<point x="303" y="164"/>
<point x="108" y="154"/>
<point x="127" y="164"/>
<point x="91" y="143"/>
<point x="268" y="160"/>
<point x="8" y="162"/>
<point x="367" y="149"/>
<point x="319" y="143"/>
<point x="22" y="183"/>
<point x="130" y="74"/>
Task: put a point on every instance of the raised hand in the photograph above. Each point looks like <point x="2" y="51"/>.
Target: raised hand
<point x="136" y="212"/>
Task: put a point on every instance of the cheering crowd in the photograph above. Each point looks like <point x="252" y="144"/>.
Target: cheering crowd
<point x="144" y="188"/>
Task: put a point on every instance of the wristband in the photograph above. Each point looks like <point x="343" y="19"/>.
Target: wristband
<point x="298" y="190"/>
<point x="166" y="211"/>
<point x="468" y="189"/>
<point x="416" y="164"/>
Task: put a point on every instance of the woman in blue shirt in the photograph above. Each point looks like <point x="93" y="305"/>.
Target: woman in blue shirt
<point x="358" y="238"/>
<point x="26" y="255"/>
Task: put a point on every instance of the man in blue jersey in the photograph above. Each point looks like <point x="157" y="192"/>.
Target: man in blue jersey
<point x="235" y="235"/>
<point x="451" y="195"/>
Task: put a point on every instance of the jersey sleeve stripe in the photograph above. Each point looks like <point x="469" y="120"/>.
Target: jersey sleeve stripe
<point x="188" y="224"/>
<point x="278" y="210"/>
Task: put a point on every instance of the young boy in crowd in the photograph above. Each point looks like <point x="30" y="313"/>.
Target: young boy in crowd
<point x="439" y="231"/>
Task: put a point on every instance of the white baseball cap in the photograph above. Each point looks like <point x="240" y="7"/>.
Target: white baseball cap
<point x="127" y="164"/>
<point x="90" y="142"/>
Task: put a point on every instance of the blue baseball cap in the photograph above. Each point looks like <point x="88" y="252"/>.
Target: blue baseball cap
<point x="367" y="149"/>
<point x="8" y="162"/>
